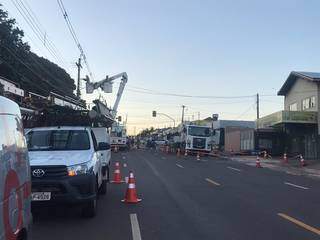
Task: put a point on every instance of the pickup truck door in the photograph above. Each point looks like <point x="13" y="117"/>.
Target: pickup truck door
<point x="98" y="159"/>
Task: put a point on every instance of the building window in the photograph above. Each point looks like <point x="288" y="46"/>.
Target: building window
<point x="308" y="103"/>
<point x="313" y="102"/>
<point x="293" y="107"/>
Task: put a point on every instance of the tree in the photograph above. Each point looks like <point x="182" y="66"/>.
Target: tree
<point x="146" y="132"/>
<point x="19" y="64"/>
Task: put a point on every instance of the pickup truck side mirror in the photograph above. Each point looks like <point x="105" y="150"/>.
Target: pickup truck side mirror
<point x="103" y="146"/>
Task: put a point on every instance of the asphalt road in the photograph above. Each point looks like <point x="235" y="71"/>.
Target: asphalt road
<point x="186" y="199"/>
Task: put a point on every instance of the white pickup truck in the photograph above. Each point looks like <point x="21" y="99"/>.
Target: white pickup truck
<point x="66" y="166"/>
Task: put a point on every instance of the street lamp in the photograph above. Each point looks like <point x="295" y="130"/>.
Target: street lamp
<point x="155" y="113"/>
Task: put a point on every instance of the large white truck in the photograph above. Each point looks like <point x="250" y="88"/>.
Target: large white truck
<point x="118" y="136"/>
<point x="196" y="138"/>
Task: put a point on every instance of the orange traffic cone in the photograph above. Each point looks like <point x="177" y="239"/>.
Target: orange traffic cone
<point x="198" y="157"/>
<point x="258" y="165"/>
<point x="178" y="152"/>
<point x="302" y="161"/>
<point x="117" y="175"/>
<point x="131" y="193"/>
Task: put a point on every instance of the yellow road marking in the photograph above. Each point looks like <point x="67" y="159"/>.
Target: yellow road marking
<point x="299" y="223"/>
<point x="213" y="182"/>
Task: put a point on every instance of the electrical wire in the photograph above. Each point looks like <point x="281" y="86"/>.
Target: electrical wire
<point x="25" y="13"/>
<point x="41" y="28"/>
<point x="245" y="112"/>
<point x="29" y="68"/>
<point x="74" y="36"/>
<point x="189" y="96"/>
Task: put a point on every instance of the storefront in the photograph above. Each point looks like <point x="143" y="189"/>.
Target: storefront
<point x="299" y="131"/>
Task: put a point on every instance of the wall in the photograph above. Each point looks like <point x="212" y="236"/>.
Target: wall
<point x="300" y="90"/>
<point x="232" y="139"/>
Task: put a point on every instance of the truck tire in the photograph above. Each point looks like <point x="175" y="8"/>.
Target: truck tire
<point x="89" y="209"/>
<point x="103" y="187"/>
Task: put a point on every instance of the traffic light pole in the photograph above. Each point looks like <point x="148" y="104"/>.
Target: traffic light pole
<point x="154" y="114"/>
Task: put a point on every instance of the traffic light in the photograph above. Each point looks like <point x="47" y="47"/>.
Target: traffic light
<point x="154" y="113"/>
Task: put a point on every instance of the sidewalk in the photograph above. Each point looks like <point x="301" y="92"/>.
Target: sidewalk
<point x="293" y="167"/>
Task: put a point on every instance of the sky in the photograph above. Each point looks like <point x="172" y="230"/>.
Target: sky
<point x="201" y="48"/>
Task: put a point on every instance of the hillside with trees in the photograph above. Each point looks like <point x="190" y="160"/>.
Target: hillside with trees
<point x="22" y="66"/>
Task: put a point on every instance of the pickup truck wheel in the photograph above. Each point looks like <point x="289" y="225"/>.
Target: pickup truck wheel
<point x="90" y="208"/>
<point x="103" y="187"/>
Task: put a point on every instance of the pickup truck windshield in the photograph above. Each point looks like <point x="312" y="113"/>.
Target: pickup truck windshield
<point x="58" y="140"/>
<point x="199" y="131"/>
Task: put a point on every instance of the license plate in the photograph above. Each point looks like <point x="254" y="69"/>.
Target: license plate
<point x="41" y="196"/>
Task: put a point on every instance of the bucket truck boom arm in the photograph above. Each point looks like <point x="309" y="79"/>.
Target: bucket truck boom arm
<point x="106" y="86"/>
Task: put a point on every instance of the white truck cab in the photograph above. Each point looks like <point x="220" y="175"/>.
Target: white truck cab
<point x="66" y="166"/>
<point x="15" y="182"/>
<point x="197" y="138"/>
<point x="118" y="136"/>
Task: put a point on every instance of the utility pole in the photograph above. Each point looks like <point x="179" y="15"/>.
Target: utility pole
<point x="258" y="111"/>
<point x="182" y="118"/>
<point x="79" y="67"/>
<point x="199" y="116"/>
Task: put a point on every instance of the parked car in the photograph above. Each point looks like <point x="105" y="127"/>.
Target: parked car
<point x="66" y="167"/>
<point x="15" y="182"/>
<point x="103" y="139"/>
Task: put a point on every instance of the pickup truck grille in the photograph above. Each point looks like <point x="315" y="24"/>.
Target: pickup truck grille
<point x="49" y="171"/>
<point x="199" y="143"/>
<point x="48" y="187"/>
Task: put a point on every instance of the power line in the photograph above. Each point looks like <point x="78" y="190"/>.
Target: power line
<point x="190" y="96"/>
<point x="30" y="69"/>
<point x="25" y="13"/>
<point x="36" y="19"/>
<point x="74" y="36"/>
<point x="246" y="111"/>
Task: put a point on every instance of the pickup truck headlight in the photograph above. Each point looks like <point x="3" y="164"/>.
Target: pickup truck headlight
<point x="79" y="169"/>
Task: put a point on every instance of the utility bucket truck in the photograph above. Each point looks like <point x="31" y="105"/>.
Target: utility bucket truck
<point x="118" y="133"/>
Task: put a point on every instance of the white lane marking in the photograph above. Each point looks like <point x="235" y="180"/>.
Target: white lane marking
<point x="163" y="158"/>
<point x="136" y="235"/>
<point x="212" y="182"/>
<point x="178" y="165"/>
<point x="297" y="186"/>
<point x="235" y="169"/>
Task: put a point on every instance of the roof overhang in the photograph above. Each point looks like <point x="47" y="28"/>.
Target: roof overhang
<point x="293" y="76"/>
